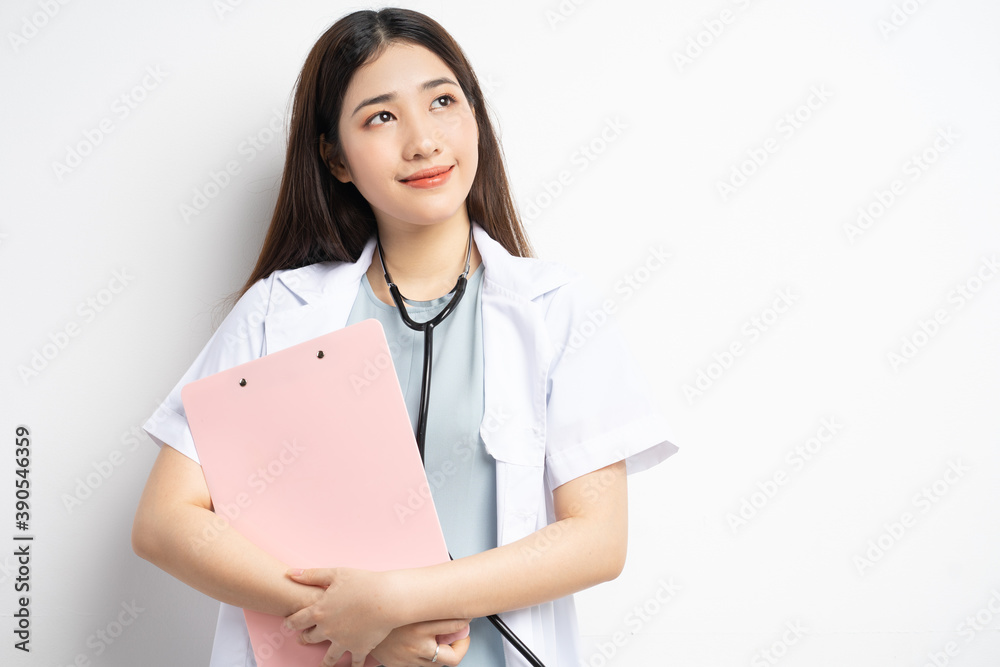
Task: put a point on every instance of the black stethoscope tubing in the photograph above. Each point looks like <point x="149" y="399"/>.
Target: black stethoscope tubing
<point x="428" y="329"/>
<point x="425" y="390"/>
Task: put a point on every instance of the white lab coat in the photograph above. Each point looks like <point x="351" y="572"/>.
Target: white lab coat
<point x="561" y="399"/>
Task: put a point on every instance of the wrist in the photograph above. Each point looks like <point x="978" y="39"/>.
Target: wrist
<point x="306" y="595"/>
<point x="398" y="598"/>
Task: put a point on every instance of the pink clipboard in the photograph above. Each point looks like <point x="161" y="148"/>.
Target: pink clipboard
<point x="309" y="453"/>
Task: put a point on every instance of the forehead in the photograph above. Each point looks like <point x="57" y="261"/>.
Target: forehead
<point x="402" y="68"/>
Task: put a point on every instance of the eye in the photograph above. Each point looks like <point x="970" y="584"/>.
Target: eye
<point x="382" y="116"/>
<point x="448" y="100"/>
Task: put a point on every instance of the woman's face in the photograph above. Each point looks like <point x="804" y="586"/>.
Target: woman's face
<point x="403" y="114"/>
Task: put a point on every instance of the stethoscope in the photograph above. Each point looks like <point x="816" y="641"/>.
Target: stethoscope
<point x="425" y="389"/>
<point x="428" y="329"/>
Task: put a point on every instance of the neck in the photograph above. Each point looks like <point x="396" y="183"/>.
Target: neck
<point x="424" y="261"/>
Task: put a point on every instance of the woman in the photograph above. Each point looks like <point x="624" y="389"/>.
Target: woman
<point x="393" y="168"/>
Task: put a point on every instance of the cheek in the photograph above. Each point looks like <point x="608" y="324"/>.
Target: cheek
<point x="468" y="137"/>
<point x="365" y="160"/>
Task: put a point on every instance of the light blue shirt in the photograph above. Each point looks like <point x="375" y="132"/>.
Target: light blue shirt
<point x="461" y="475"/>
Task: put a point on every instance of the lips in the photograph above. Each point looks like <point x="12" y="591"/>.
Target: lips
<point x="426" y="173"/>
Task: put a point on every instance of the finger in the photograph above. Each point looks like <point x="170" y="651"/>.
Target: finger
<point x="320" y="576"/>
<point x="452" y="655"/>
<point x="448" y="626"/>
<point x="332" y="656"/>
<point x="308" y="636"/>
<point x="358" y="659"/>
<point x="449" y="631"/>
<point x="300" y="620"/>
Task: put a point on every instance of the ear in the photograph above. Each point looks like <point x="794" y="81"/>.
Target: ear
<point x="331" y="157"/>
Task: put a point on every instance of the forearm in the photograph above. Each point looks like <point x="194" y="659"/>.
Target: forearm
<point x="204" y="551"/>
<point x="584" y="547"/>
<point x="560" y="559"/>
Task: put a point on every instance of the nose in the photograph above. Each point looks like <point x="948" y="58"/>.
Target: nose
<point x="424" y="137"/>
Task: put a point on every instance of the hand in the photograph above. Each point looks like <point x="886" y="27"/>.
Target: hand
<point x="415" y="644"/>
<point x="354" y="613"/>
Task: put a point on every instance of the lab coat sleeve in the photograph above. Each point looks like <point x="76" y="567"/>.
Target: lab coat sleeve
<point x="238" y="339"/>
<point x="599" y="409"/>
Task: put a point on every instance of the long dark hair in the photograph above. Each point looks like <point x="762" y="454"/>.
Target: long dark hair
<point x="318" y="218"/>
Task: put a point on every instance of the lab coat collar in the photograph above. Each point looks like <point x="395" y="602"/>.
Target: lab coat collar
<point x="519" y="276"/>
<point x="322" y="295"/>
<point x="527" y="278"/>
<point x="310" y="283"/>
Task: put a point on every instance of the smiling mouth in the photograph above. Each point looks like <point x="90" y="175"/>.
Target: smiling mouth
<point x="429" y="179"/>
<point x="425" y="174"/>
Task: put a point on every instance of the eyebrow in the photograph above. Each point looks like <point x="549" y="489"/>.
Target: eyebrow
<point x="388" y="97"/>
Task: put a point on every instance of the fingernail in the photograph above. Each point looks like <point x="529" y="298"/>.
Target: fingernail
<point x="294" y="572"/>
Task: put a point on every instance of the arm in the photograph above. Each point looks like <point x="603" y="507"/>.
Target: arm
<point x="176" y="530"/>
<point x="586" y="545"/>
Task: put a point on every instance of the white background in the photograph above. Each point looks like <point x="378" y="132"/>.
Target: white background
<point x="825" y="552"/>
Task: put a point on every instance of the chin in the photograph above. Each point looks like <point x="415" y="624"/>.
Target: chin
<point x="427" y="216"/>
